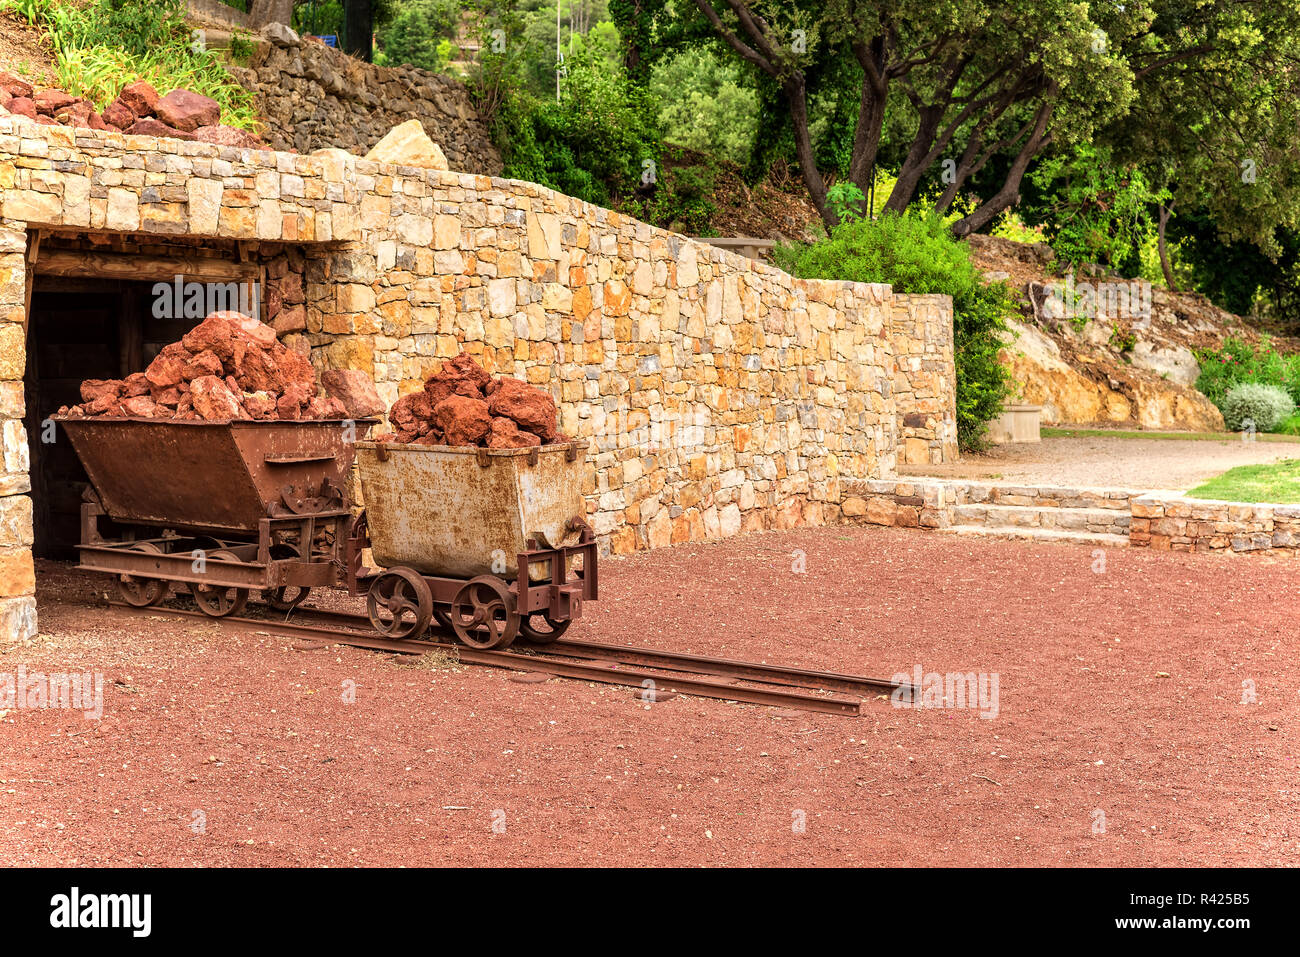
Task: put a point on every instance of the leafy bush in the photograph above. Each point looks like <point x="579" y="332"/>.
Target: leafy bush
<point x="594" y="143"/>
<point x="1249" y="404"/>
<point x="917" y="254"/>
<point x="1094" y="209"/>
<point x="682" y="197"/>
<point x="1239" y="361"/>
<point x="704" y="105"/>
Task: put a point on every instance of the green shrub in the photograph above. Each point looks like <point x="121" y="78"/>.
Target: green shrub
<point x="704" y="104"/>
<point x="917" y="254"/>
<point x="594" y="144"/>
<point x="1239" y="361"/>
<point x="1253" y="404"/>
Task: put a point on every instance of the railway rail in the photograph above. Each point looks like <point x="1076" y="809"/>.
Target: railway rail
<point x="654" y="671"/>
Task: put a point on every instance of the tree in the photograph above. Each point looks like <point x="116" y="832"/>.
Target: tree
<point x="358" y="28"/>
<point x="262" y="12"/>
<point x="976" y="87"/>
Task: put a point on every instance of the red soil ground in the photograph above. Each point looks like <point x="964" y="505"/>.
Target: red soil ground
<point x="1120" y="692"/>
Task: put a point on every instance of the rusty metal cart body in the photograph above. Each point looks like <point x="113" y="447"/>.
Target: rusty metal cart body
<point x="492" y="543"/>
<point x="219" y="508"/>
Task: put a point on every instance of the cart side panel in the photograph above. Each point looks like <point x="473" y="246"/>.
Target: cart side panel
<point x="211" y="477"/>
<point x="440" y="512"/>
<point x="156" y="473"/>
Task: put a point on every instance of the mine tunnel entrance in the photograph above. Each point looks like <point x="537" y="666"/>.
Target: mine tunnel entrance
<point x="96" y="314"/>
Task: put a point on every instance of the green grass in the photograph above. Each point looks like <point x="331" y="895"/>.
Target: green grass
<point x="1291" y="426"/>
<point x="1293" y="422"/>
<point x="1279" y="482"/>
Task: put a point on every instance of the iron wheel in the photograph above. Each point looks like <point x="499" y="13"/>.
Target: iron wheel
<point x="399" y="604"/>
<point x="485" y="603"/>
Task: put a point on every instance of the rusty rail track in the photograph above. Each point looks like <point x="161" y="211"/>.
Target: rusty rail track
<point x="598" y="662"/>
<point x="676" y="661"/>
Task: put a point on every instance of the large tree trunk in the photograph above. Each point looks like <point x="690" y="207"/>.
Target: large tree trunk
<point x="1165" y="267"/>
<point x="796" y="102"/>
<point x="358" y="29"/>
<point x="917" y="160"/>
<point x="1009" y="194"/>
<point x="262" y="12"/>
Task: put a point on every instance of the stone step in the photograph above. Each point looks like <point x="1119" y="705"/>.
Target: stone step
<point x="1103" y="520"/>
<point x="1069" y="536"/>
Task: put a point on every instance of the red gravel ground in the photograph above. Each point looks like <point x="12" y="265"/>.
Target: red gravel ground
<point x="1120" y="693"/>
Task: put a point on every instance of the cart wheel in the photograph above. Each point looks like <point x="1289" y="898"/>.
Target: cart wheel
<point x="142" y="592"/>
<point x="485" y="601"/>
<point x="220" y="601"/>
<point x="399" y="603"/>
<point x="541" y="630"/>
<point x="286" y="597"/>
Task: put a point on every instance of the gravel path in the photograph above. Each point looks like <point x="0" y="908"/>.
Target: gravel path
<point x="1178" y="464"/>
<point x="1120" y="737"/>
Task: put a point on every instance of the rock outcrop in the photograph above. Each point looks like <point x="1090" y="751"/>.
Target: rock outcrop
<point x="1100" y="351"/>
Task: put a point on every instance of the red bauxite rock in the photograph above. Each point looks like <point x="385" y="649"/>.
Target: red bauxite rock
<point x="530" y="408"/>
<point x="227" y="136"/>
<point x="117" y="116"/>
<point x="151" y="127"/>
<point x="213" y="399"/>
<point x="23" y="106"/>
<point x="14" y="86"/>
<point x="139" y="97"/>
<point x="461" y="404"/>
<point x="187" y="111"/>
<point x="354" y="390"/>
<point x="229" y="366"/>
<point x="50" y="102"/>
<point x="506" y="435"/>
<point x="464" y="421"/>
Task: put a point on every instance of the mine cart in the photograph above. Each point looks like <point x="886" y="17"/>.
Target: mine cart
<point x="217" y="507"/>
<point x="490" y="542"/>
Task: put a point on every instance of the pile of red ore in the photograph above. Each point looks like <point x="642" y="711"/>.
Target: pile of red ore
<point x="138" y="109"/>
<point x="230" y="366"/>
<point x="462" y="405"/>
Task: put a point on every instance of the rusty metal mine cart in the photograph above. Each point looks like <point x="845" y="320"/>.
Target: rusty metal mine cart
<point x="491" y="543"/>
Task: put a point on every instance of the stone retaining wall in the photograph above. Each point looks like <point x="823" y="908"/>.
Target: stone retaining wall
<point x="313" y="96"/>
<point x="1187" y="525"/>
<point x="715" y="394"/>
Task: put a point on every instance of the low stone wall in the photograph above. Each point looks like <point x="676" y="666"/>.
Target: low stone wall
<point x="1194" y="525"/>
<point x="313" y="96"/>
<point x="925" y="378"/>
<point x="1143" y="519"/>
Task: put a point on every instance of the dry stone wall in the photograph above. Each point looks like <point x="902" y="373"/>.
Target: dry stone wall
<point x="925" y="378"/>
<point x="715" y="394"/>
<point x="314" y="97"/>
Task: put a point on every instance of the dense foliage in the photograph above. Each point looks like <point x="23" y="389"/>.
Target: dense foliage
<point x="1239" y="361"/>
<point x="102" y="45"/>
<point x="917" y="254"/>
